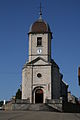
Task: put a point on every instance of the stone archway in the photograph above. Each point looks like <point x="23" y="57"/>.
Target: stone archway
<point x="39" y="96"/>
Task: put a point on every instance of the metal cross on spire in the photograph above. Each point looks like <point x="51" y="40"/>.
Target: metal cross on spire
<point x="40" y="11"/>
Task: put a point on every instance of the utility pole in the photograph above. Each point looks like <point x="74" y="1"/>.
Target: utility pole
<point x="79" y="76"/>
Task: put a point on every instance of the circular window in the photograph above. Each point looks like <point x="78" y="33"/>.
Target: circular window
<point x="39" y="75"/>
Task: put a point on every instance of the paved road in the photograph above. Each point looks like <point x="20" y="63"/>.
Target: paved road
<point x="37" y="115"/>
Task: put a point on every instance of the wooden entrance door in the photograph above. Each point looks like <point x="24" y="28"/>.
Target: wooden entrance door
<point x="39" y="96"/>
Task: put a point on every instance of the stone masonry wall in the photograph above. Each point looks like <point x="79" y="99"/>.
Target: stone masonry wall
<point x="46" y="50"/>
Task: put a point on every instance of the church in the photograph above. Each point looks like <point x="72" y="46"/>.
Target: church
<point x="41" y="78"/>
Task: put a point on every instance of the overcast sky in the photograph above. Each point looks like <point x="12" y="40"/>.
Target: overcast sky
<point x="16" y="16"/>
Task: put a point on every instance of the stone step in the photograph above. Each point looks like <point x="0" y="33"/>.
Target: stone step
<point x="41" y="107"/>
<point x="32" y="107"/>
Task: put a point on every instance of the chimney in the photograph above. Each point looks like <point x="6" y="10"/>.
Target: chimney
<point x="79" y="75"/>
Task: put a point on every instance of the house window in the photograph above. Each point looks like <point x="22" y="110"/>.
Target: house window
<point x="39" y="41"/>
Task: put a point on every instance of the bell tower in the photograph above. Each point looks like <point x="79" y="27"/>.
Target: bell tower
<point x="41" y="79"/>
<point x="40" y="40"/>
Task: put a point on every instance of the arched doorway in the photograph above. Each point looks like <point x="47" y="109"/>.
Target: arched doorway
<point x="39" y="96"/>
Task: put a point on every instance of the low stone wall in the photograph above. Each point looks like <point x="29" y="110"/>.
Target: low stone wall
<point x="56" y="103"/>
<point x="8" y="106"/>
<point x="18" y="101"/>
<point x="16" y="105"/>
<point x="53" y="105"/>
<point x="71" y="107"/>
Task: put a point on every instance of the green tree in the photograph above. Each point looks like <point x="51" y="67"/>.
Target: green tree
<point x="1" y="103"/>
<point x="18" y="94"/>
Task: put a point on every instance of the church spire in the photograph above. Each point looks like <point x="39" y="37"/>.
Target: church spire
<point x="40" y="11"/>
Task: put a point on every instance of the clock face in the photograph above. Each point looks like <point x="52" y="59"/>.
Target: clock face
<point x="39" y="51"/>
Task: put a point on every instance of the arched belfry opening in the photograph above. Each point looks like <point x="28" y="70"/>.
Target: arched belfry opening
<point x="39" y="96"/>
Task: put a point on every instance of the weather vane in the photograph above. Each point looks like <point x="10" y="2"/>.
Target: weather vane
<point x="40" y="11"/>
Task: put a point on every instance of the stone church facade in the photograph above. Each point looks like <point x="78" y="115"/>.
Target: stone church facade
<point x="41" y="78"/>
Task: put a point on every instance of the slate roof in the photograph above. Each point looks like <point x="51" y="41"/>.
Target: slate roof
<point x="40" y="26"/>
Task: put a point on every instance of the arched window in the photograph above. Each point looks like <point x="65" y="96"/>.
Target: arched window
<point x="39" y="41"/>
